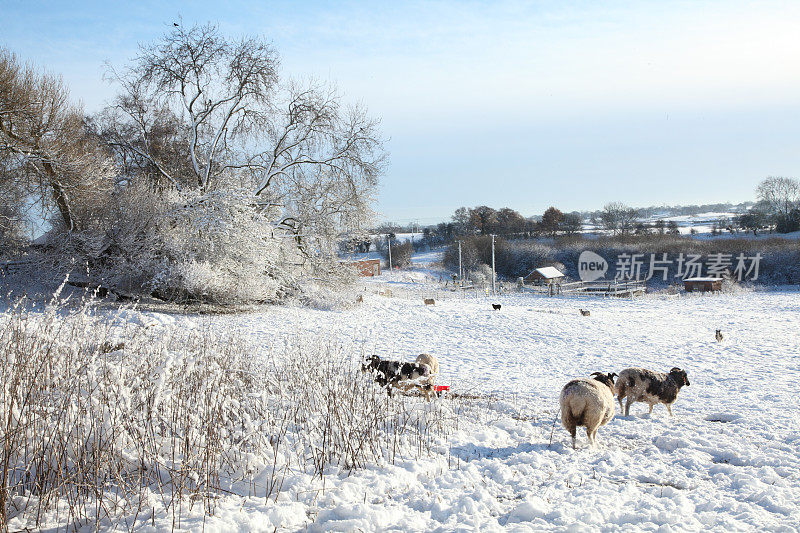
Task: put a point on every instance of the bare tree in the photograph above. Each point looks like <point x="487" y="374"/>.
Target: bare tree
<point x="307" y="158"/>
<point x="572" y="223"/>
<point x="510" y="221"/>
<point x="781" y="197"/>
<point x="461" y="221"/>
<point x="44" y="144"/>
<point x="618" y="218"/>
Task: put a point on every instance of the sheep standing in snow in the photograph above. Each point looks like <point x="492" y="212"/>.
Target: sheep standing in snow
<point x="587" y="402"/>
<point x="420" y="375"/>
<point x="403" y="376"/>
<point x="430" y="361"/>
<point x="642" y="385"/>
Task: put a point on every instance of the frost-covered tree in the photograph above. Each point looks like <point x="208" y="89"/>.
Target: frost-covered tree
<point x="249" y="181"/>
<point x="296" y="146"/>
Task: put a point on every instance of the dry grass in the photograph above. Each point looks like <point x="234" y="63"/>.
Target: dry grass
<point x="103" y="419"/>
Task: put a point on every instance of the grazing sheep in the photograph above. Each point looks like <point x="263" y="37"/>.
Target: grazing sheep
<point x="496" y="307"/>
<point x="429" y="301"/>
<point x="718" y="335"/>
<point x="587" y="402"/>
<point x="427" y="386"/>
<point x="385" y="371"/>
<point x="642" y="385"/>
<point x="584" y="312"/>
<point x="431" y="361"/>
<point x="392" y="374"/>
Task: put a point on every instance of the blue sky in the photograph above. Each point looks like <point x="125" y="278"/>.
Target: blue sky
<point x="518" y="104"/>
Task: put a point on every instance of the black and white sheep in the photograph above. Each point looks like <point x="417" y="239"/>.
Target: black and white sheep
<point x="391" y="374"/>
<point x="587" y="402"/>
<point x="642" y="385"/>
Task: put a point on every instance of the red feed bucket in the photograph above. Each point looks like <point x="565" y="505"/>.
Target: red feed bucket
<point x="440" y="388"/>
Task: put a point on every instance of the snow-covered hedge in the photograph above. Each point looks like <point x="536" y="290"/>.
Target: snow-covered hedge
<point x="218" y="248"/>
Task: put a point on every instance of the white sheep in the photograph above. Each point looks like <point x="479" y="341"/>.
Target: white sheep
<point x="587" y="402"/>
<point x="423" y="377"/>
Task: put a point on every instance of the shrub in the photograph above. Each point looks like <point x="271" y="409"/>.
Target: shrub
<point x="401" y="254"/>
<point x="106" y="416"/>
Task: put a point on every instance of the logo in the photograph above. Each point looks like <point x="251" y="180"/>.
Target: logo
<point x="591" y="266"/>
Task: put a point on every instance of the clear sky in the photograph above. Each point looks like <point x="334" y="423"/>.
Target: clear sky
<point x="518" y="104"/>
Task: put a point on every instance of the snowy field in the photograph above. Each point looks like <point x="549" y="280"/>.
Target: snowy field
<point x="728" y="460"/>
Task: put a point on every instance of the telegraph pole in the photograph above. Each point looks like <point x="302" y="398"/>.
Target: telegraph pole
<point x="389" y="243"/>
<point x="460" y="271"/>
<point x="494" y="275"/>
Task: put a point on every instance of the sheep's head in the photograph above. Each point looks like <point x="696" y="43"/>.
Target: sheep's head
<point x="414" y="371"/>
<point x="607" y="379"/>
<point x="370" y="363"/>
<point x="680" y="377"/>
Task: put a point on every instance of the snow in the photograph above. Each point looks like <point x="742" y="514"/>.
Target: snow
<point x="549" y="272"/>
<point x="727" y="460"/>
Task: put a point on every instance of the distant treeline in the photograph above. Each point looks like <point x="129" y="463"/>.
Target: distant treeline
<point x="778" y="263"/>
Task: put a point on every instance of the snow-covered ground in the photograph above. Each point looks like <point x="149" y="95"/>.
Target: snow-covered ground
<point x="728" y="460"/>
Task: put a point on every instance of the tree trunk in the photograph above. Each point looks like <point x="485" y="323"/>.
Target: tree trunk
<point x="60" y="196"/>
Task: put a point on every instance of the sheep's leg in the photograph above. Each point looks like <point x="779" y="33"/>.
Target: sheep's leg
<point x="628" y="403"/>
<point x="669" y="408"/>
<point x="650" y="412"/>
<point x="589" y="436"/>
<point x="572" y="429"/>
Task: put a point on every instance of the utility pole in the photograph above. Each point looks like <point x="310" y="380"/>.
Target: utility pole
<point x="460" y="272"/>
<point x="494" y="275"/>
<point x="389" y="243"/>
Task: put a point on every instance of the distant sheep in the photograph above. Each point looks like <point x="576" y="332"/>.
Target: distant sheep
<point x="585" y="312"/>
<point x="642" y="385"/>
<point x="587" y="402"/>
<point x="718" y="335"/>
<point x="496" y="307"/>
<point x="429" y="301"/>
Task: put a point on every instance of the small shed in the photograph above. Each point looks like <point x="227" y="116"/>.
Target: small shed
<point x="367" y="267"/>
<point x="702" y="284"/>
<point x="546" y="275"/>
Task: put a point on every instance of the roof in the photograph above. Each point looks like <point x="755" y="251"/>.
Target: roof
<point x="548" y="272"/>
<point x="702" y="279"/>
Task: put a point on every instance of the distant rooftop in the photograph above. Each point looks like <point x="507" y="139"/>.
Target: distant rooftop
<point x="548" y="272"/>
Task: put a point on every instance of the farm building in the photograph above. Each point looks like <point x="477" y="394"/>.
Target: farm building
<point x="367" y="267"/>
<point x="545" y="275"/>
<point x="702" y="284"/>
